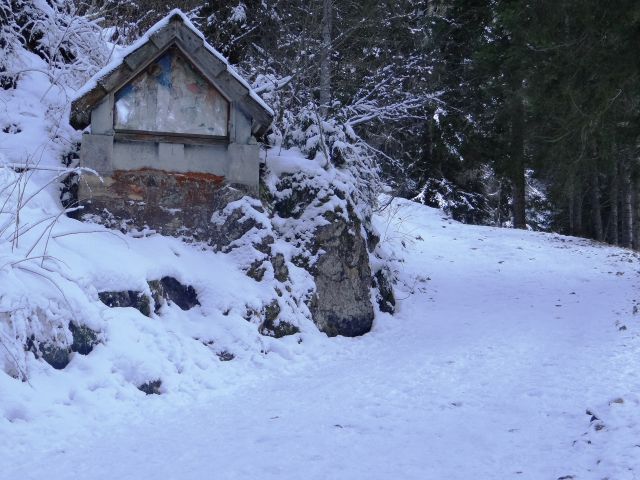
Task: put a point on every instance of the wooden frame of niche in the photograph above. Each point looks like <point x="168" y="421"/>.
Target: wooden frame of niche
<point x="173" y="137"/>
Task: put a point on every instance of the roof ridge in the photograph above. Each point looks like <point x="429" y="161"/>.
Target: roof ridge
<point x="90" y="93"/>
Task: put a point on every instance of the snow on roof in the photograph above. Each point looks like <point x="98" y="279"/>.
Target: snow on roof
<point x="119" y="55"/>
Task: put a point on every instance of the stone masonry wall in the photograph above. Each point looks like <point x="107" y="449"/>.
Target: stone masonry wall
<point x="170" y="203"/>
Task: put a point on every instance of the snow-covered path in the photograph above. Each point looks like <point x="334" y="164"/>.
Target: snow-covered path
<point x="502" y="340"/>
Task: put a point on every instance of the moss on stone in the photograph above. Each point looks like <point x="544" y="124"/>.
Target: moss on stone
<point x="143" y="304"/>
<point x="127" y="298"/>
<point x="55" y="355"/>
<point x="84" y="339"/>
<point x="256" y="271"/>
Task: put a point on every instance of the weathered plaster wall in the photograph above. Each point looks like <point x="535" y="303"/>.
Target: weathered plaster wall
<point x="102" y="121"/>
<point x="102" y="117"/>
<point x="236" y="163"/>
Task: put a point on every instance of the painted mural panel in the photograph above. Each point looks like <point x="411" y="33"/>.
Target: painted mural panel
<point x="170" y="96"/>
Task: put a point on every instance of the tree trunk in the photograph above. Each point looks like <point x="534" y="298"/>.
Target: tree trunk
<point x="636" y="211"/>
<point x="570" y="215"/>
<point x="577" y="210"/>
<point x="517" y="163"/>
<point x="325" y="58"/>
<point x="596" y="207"/>
<point x="612" y="236"/>
<point x="626" y="213"/>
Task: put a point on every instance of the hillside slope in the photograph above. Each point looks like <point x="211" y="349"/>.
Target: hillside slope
<point x="503" y="339"/>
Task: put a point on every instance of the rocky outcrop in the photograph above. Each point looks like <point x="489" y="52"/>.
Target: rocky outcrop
<point x="151" y="388"/>
<point x="312" y="212"/>
<point x="170" y="289"/>
<point x="280" y="269"/>
<point x="84" y="339"/>
<point x="246" y="233"/>
<point x="383" y="285"/>
<point x="341" y="304"/>
<point x="127" y="298"/>
<point x="50" y="340"/>
<point x="230" y="225"/>
<point x="167" y="289"/>
<point x="55" y="354"/>
<point x="48" y="334"/>
<point x="332" y="247"/>
<point x="272" y="326"/>
<point x="57" y="351"/>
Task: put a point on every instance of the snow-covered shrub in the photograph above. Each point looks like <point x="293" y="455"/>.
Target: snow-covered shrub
<point x="331" y="144"/>
<point x="481" y="197"/>
<point x="539" y="210"/>
<point x="70" y="45"/>
<point x="46" y="51"/>
<point x="249" y="238"/>
<point x="461" y="205"/>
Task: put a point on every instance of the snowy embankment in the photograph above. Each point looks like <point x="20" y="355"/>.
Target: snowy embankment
<point x="502" y="340"/>
<point x="501" y="343"/>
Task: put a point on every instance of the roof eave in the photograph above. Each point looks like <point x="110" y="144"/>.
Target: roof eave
<point x="158" y="42"/>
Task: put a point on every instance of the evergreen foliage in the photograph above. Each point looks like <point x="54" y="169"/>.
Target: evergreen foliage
<point x="504" y="112"/>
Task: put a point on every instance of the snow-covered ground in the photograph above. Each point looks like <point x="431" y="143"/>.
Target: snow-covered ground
<point x="501" y="342"/>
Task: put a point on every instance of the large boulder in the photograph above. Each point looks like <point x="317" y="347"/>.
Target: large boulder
<point x="332" y="246"/>
<point x="341" y="304"/>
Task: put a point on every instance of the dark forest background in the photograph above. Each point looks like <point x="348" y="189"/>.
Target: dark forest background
<point x="501" y="112"/>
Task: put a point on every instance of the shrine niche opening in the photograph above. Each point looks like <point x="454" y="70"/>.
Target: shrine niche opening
<point x="171" y="97"/>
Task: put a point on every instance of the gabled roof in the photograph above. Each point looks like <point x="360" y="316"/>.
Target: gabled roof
<point x="174" y="29"/>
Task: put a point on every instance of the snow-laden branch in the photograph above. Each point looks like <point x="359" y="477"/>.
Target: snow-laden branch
<point x="269" y="84"/>
<point x="407" y="108"/>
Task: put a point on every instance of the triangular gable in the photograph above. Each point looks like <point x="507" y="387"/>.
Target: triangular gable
<point x="174" y="29"/>
<point x="171" y="96"/>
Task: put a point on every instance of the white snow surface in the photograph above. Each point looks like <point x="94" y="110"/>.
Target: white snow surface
<point x="501" y="341"/>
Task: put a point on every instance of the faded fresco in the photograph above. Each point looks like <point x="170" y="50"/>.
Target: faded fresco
<point x="170" y="96"/>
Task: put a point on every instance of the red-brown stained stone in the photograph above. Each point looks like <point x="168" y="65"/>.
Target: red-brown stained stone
<point x="179" y="204"/>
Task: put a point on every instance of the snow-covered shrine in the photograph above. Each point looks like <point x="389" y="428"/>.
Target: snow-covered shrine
<point x="170" y="122"/>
